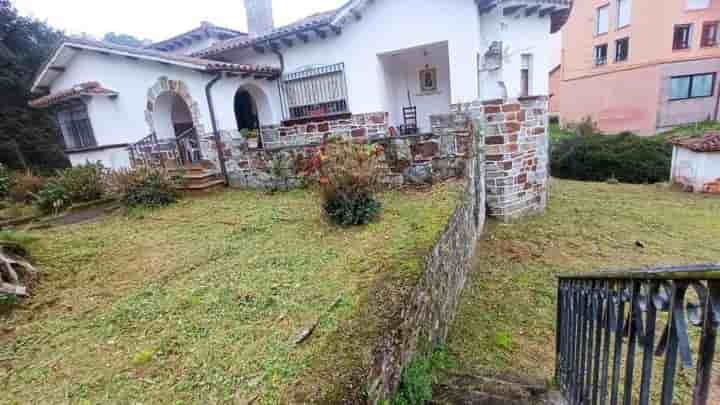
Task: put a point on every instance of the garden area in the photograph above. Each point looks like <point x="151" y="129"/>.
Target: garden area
<point x="506" y="319"/>
<point x="231" y="297"/>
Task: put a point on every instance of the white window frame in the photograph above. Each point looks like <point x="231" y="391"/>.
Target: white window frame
<point x="598" y="14"/>
<point x="628" y="7"/>
<point x="697" y="4"/>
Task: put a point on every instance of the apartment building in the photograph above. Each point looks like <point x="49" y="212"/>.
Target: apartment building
<point x="639" y="65"/>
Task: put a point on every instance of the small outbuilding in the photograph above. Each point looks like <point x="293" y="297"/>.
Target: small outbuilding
<point x="696" y="163"/>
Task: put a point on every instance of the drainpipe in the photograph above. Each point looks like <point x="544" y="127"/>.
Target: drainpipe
<point x="717" y="103"/>
<point x="281" y="58"/>
<point x="213" y="122"/>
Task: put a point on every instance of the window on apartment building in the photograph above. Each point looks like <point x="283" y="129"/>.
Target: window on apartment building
<point x="710" y="34"/>
<point x="75" y="126"/>
<point x="624" y="13"/>
<point x="315" y="91"/>
<point x="603" y="20"/>
<point x="622" y="49"/>
<point x="682" y="36"/>
<point x="692" y="86"/>
<point x="697" y="4"/>
<point x="525" y="74"/>
<point x="601" y="52"/>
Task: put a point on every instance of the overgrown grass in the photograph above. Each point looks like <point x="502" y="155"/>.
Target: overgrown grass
<point x="506" y="320"/>
<point x="201" y="302"/>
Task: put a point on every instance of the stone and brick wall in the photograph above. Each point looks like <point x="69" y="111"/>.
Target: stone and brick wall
<point x="430" y="306"/>
<point x="409" y="159"/>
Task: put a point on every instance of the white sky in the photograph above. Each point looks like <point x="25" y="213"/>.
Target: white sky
<point x="157" y="19"/>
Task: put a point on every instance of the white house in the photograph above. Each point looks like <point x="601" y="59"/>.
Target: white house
<point x="696" y="163"/>
<point x="405" y="59"/>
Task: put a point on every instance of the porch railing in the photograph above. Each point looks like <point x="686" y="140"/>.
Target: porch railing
<point x="152" y="151"/>
<point x="607" y="328"/>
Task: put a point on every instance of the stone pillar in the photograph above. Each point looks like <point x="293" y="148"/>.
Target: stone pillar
<point x="516" y="156"/>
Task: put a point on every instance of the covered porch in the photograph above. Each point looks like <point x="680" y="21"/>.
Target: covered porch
<point x="417" y="86"/>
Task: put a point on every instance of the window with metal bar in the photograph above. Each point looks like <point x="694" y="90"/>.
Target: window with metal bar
<point x="75" y="126"/>
<point x="601" y="52"/>
<point x="622" y="49"/>
<point x="315" y="91"/>
<point x="710" y="34"/>
<point x="682" y="36"/>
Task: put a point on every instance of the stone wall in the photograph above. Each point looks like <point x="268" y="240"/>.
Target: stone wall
<point x="409" y="159"/>
<point x="516" y="156"/>
<point x="431" y="305"/>
<point x="516" y="151"/>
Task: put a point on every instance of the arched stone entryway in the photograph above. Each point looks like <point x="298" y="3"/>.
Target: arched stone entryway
<point x="179" y="88"/>
<point x="173" y="115"/>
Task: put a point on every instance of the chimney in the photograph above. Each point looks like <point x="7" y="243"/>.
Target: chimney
<point x="259" y="16"/>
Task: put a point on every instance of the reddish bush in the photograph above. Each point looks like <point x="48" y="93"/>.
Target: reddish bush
<point x="25" y="185"/>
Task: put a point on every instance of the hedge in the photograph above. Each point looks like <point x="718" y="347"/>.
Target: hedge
<point x="626" y="157"/>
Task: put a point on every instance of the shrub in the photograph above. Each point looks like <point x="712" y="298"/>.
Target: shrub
<point x="24" y="186"/>
<point x="6" y="181"/>
<point x="417" y="378"/>
<point x="348" y="176"/>
<point x="83" y="183"/>
<point x="626" y="157"/>
<point x="144" y="187"/>
<point x="52" y="197"/>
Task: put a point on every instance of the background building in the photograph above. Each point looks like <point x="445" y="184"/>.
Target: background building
<point x="639" y="65"/>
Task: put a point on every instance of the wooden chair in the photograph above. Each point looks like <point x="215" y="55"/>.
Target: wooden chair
<point x="410" y="118"/>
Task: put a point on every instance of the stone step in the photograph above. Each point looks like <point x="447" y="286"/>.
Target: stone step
<point x="202" y="186"/>
<point x="487" y="389"/>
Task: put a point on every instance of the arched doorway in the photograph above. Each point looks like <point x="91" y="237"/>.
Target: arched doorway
<point x="246" y="115"/>
<point x="174" y="120"/>
<point x="174" y="124"/>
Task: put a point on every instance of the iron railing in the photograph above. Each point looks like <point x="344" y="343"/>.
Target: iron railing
<point x="607" y="328"/>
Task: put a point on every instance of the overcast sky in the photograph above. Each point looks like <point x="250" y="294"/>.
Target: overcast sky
<point x="157" y="19"/>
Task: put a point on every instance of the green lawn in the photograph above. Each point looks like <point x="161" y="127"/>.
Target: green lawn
<point x="201" y="302"/>
<point x="507" y="314"/>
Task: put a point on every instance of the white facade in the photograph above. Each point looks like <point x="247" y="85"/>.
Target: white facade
<point x="695" y="169"/>
<point x="383" y="53"/>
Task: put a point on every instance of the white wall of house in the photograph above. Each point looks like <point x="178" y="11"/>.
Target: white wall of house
<point x="520" y="34"/>
<point x="122" y="119"/>
<point x="695" y="169"/>
<point x="111" y="158"/>
<point x="387" y="27"/>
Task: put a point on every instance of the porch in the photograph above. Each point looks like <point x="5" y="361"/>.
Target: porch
<point x="417" y="86"/>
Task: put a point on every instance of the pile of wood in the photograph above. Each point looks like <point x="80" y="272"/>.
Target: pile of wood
<point x="16" y="273"/>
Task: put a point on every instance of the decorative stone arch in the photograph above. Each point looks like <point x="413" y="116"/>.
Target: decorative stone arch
<point x="165" y="85"/>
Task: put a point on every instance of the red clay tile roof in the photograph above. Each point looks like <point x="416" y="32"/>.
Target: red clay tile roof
<point x="307" y="23"/>
<point x="149" y="54"/>
<point x="207" y="64"/>
<point x="710" y="142"/>
<point x="205" y="28"/>
<point x="77" y="91"/>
